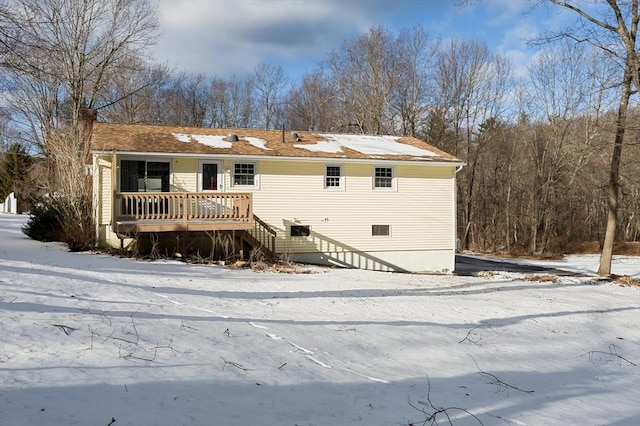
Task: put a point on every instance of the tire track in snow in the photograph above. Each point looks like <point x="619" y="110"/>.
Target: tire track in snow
<point x="309" y="354"/>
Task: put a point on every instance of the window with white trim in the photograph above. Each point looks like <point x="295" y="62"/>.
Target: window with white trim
<point x="333" y="178"/>
<point x="383" y="178"/>
<point x="244" y="174"/>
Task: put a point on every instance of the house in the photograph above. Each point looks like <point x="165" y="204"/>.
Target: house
<point x="373" y="202"/>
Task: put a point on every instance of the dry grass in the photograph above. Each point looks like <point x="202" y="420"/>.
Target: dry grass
<point x="626" y="280"/>
<point x="541" y="278"/>
<point x="485" y="274"/>
<point x="278" y="267"/>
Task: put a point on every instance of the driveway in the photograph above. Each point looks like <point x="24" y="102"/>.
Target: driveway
<point x="470" y="265"/>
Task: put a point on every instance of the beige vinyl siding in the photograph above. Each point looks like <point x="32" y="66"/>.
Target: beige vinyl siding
<point x="419" y="211"/>
<point x="105" y="205"/>
<point x="185" y="175"/>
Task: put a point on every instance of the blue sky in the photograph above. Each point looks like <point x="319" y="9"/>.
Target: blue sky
<point x="225" y="37"/>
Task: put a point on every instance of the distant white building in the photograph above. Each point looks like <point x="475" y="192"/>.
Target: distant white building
<point x="372" y="202"/>
<point x="10" y="204"/>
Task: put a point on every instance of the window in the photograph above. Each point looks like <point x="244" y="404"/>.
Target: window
<point x="383" y="177"/>
<point x="300" y="231"/>
<point x="380" y="230"/>
<point x="144" y="176"/>
<point x="244" y="174"/>
<point x="333" y="177"/>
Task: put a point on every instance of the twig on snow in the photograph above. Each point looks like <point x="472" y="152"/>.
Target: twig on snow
<point x="502" y="386"/>
<point x="613" y="351"/>
<point x="471" y="335"/>
<point x="233" y="364"/>
<point x="432" y="417"/>
<point x="65" y="328"/>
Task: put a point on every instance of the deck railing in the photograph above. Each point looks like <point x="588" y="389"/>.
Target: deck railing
<point x="264" y="234"/>
<point x="183" y="206"/>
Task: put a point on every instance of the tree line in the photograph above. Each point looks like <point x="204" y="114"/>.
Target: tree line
<point x="537" y="142"/>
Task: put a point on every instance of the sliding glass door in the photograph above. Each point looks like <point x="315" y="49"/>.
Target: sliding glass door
<point x="144" y="176"/>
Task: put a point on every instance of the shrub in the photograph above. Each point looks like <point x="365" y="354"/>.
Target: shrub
<point x="57" y="219"/>
<point x="45" y="220"/>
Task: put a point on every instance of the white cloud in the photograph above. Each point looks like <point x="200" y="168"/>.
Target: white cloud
<point x="223" y="38"/>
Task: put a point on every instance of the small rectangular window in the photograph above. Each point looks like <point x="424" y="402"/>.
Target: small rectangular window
<point x="380" y="230"/>
<point x="383" y="177"/>
<point x="300" y="231"/>
<point x="333" y="177"/>
<point x="244" y="174"/>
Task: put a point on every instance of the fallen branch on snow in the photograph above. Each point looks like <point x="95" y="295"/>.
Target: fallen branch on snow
<point x="502" y="386"/>
<point x="613" y="351"/>
<point x="432" y="417"/>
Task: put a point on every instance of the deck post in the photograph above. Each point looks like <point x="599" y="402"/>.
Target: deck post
<point x="185" y="210"/>
<point x="114" y="189"/>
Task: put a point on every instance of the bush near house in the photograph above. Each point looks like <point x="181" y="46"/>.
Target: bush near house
<point x="56" y="219"/>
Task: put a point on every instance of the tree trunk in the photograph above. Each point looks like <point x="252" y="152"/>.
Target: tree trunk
<point x="604" y="270"/>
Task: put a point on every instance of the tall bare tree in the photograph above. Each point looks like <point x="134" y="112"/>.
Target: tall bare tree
<point x="472" y="88"/>
<point x="232" y="103"/>
<point x="412" y="93"/>
<point x="60" y="57"/>
<point x="270" y="83"/>
<point x="362" y="71"/>
<point x="311" y="105"/>
<point x="612" y="26"/>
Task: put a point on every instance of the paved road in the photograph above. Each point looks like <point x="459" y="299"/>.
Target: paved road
<point x="467" y="265"/>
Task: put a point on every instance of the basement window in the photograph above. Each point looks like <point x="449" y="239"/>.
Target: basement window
<point x="300" y="231"/>
<point x="380" y="230"/>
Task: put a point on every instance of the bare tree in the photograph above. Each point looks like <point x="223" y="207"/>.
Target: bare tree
<point x="473" y="84"/>
<point x="232" y="102"/>
<point x="612" y="26"/>
<point x="270" y="83"/>
<point x="60" y="57"/>
<point x="362" y="71"/>
<point x="565" y="83"/>
<point x="311" y="105"/>
<point x="187" y="100"/>
<point x="412" y="93"/>
<point x="136" y="96"/>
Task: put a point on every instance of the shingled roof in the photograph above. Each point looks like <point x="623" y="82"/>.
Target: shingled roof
<point x="136" y="138"/>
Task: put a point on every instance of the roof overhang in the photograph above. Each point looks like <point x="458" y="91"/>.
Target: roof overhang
<point x="335" y="159"/>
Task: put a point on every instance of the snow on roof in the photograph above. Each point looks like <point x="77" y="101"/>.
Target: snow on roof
<point x="365" y="144"/>
<point x="210" y="140"/>
<point x="257" y="142"/>
<point x="217" y="141"/>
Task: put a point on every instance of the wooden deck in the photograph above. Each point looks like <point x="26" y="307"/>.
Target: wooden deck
<point x="182" y="211"/>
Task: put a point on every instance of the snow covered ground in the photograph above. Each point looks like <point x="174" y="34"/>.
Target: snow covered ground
<point x="89" y="339"/>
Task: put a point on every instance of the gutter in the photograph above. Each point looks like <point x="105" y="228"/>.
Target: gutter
<point x="370" y="160"/>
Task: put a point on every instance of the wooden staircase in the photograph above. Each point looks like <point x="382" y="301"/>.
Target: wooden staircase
<point x="261" y="237"/>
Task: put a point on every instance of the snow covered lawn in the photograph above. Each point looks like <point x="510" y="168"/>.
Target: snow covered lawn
<point x="90" y="339"/>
